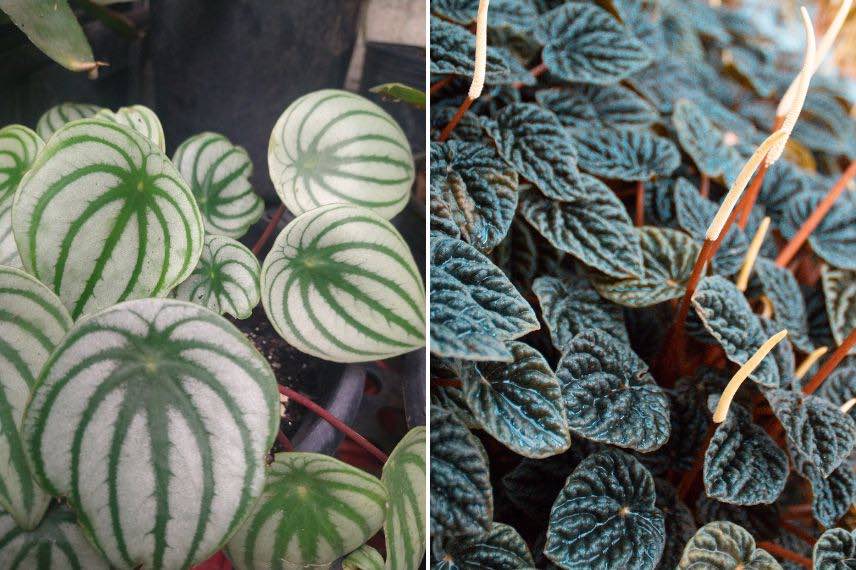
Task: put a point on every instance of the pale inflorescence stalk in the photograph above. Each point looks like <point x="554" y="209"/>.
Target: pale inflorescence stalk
<point x="752" y="254"/>
<point x="806" y="364"/>
<point x="848" y="405"/>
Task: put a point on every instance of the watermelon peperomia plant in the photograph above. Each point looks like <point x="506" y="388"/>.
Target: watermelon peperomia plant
<point x="138" y="423"/>
<point x="642" y="287"/>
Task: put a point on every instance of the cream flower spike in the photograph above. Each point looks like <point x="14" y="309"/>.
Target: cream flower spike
<point x="731" y="389"/>
<point x="846" y="406"/>
<point x="802" y="82"/>
<point x="803" y="368"/>
<point x="481" y="52"/>
<point x="752" y="254"/>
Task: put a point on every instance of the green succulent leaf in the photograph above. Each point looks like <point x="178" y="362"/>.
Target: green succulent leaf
<point x="32" y="322"/>
<point x="781" y="288"/>
<point x="702" y="140"/>
<point x="835" y="549"/>
<point x="668" y="259"/>
<point x="724" y="545"/>
<point x="404" y="479"/>
<point x="453" y="50"/>
<point x="833" y="494"/>
<point x="340" y="283"/>
<point x="139" y="118"/>
<point x="585" y="44"/>
<point x="605" y="516"/>
<point x="18" y="149"/>
<point x="226" y="279"/>
<point x="401" y="93"/>
<point x="218" y="173"/>
<point x="58" y="115"/>
<point x="461" y="493"/>
<point x="314" y="510"/>
<point x="839" y="289"/>
<point x="626" y="154"/>
<point x="363" y="558"/>
<point x="331" y="146"/>
<point x="501" y="548"/>
<point x="102" y="216"/>
<point x="593" y="107"/>
<point x="834" y="237"/>
<point x="477" y="189"/>
<point x="597" y="230"/>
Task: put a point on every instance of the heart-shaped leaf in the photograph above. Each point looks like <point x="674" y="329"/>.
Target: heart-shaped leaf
<point x="58" y="115"/>
<point x="668" y="259"/>
<point x="474" y="307"/>
<point x="605" y="516"/>
<point x="834" y="237"/>
<point x="835" y="549"/>
<point x="18" y="149"/>
<point x="103" y="216"/>
<point x="461" y="493"/>
<point x="680" y="526"/>
<point x="314" y="509"/>
<point x="477" y="187"/>
<point x="534" y="143"/>
<point x="533" y="485"/>
<point x="226" y="279"/>
<point x="724" y="545"/>
<point x="363" y="558"/>
<point x="153" y="418"/>
<point x="840" y="385"/>
<point x="139" y="118"/>
<point x="501" y="548"/>
<point x="597" y="230"/>
<point x="727" y="316"/>
<point x="218" y="173"/>
<point x="839" y="289"/>
<point x="452" y="400"/>
<point x="591" y="107"/>
<point x="626" y="154"/>
<point x="519" y="403"/>
<point x="584" y="43"/>
<point x="453" y="50"/>
<point x="702" y="140"/>
<point x="742" y="464"/>
<point x="332" y="146"/>
<point x="833" y="494"/>
<point x="571" y="306"/>
<point x="781" y="288"/>
<point x="340" y="283"/>
<point x="610" y="396"/>
<point x="404" y="479"/>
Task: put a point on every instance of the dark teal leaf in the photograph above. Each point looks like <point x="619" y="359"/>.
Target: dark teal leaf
<point x="643" y="18"/>
<point x="824" y="125"/>
<point x="742" y="464"/>
<point x="605" y="516"/>
<point x="534" y="143"/>
<point x="441" y="218"/>
<point x="610" y="397"/>
<point x="518" y="14"/>
<point x="680" y="526"/>
<point x="453" y="51"/>
<point x="689" y="415"/>
<point x="840" y="385"/>
<point x="783" y="181"/>
<point x="781" y="288"/>
<point x="754" y="67"/>
<point x="597" y="230"/>
<point x="590" y="107"/>
<point x="727" y="316"/>
<point x="479" y="189"/>
<point x="452" y="399"/>
<point x="626" y="154"/>
<point x="762" y="521"/>
<point x="533" y="485"/>
<point x="663" y="82"/>
<point x="839" y="289"/>
<point x="502" y="548"/>
<point x="585" y="44"/>
<point x="723" y="545"/>
<point x="469" y="128"/>
<point x="668" y="258"/>
<point x="519" y="403"/>
<point x="834" y="239"/>
<point x="782" y="354"/>
<point x="571" y="306"/>
<point x="702" y="140"/>
<point x="473" y="305"/>
<point x="517" y="254"/>
<point x="835" y="550"/>
<point x="461" y="494"/>
<point x="832" y="495"/>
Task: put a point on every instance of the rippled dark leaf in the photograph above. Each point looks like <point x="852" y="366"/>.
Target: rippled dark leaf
<point x="533" y="485"/>
<point x="626" y="154"/>
<point x="762" y="521"/>
<point x="824" y="125"/>
<point x="840" y="385"/>
<point x="453" y="50"/>
<point x="839" y="289"/>
<point x="680" y="526"/>
<point x="783" y="181"/>
<point x="452" y="399"/>
<point x="519" y="14"/>
<point x="832" y="495"/>
<point x="725" y="546"/>
<point x="781" y="287"/>
<point x="502" y="548"/>
<point x="835" y="549"/>
<point x="834" y="239"/>
<point x="702" y="140"/>
<point x="590" y="107"/>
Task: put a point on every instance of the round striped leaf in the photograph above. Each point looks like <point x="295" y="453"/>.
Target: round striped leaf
<point x="103" y="216"/>
<point x="723" y="545"/>
<point x="340" y="283"/>
<point x="404" y="479"/>
<point x="839" y="289"/>
<point x="835" y="549"/>
<point x="57" y="543"/>
<point x="314" y="509"/>
<point x="139" y="118"/>
<point x="18" y="149"/>
<point x="218" y="173"/>
<point x="57" y="116"/>
<point x="501" y="548"/>
<point x="626" y="154"/>
<point x="32" y="322"/>
<point x="363" y="558"/>
<point x="153" y="418"/>
<point x="332" y="146"/>
<point x="226" y="280"/>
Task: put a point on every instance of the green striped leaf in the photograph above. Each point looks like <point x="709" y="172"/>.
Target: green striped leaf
<point x="219" y="175"/>
<point x="340" y="283"/>
<point x="153" y="418"/>
<point x="226" y="280"/>
<point x="18" y="149"/>
<point x="363" y="558"/>
<point x="58" y="115"/>
<point x="404" y="479"/>
<point x="56" y="544"/>
<point x="139" y="118"/>
<point x="332" y="146"/>
<point x="103" y="216"/>
<point x="32" y="322"/>
<point x="314" y="509"/>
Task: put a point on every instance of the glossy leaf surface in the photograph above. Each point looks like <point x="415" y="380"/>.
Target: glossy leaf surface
<point x="723" y="546"/>
<point x="626" y="154"/>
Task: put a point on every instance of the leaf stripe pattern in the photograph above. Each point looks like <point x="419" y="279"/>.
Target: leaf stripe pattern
<point x="103" y="216"/>
<point x="219" y="172"/>
<point x="340" y="283"/>
<point x="18" y="149"/>
<point x="153" y="418"/>
<point x="139" y="118"/>
<point x="404" y="479"/>
<point x="363" y="558"/>
<point x="32" y="322"/>
<point x="332" y="146"/>
<point x="55" y="117"/>
<point x="314" y="510"/>
<point x="226" y="280"/>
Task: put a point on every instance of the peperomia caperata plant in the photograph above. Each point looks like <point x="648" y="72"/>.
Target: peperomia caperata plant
<point x="641" y="298"/>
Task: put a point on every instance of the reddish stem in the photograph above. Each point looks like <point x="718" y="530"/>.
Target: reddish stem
<point x="436" y="87"/>
<point x="447" y="382"/>
<point x="830" y="363"/>
<point x="639" y="220"/>
<point x="538" y="69"/>
<point x="456" y="119"/>
<point x="333" y="421"/>
<point x="747" y="201"/>
<point x="704" y="189"/>
<point x="269" y="229"/>
<point x="284" y="442"/>
<point x="690" y="476"/>
<point x="798" y="532"/>
<point x="784" y="553"/>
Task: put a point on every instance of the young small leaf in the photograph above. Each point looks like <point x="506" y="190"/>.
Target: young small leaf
<point x="835" y="549"/>
<point x="724" y="545"/>
<point x="18" y="149"/>
<point x="404" y="479"/>
<point x="139" y="118"/>
<point x="58" y="115"/>
<point x="501" y="548"/>
<point x="626" y="154"/>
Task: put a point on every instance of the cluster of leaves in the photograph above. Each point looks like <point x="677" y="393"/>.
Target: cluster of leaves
<point x="564" y="433"/>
